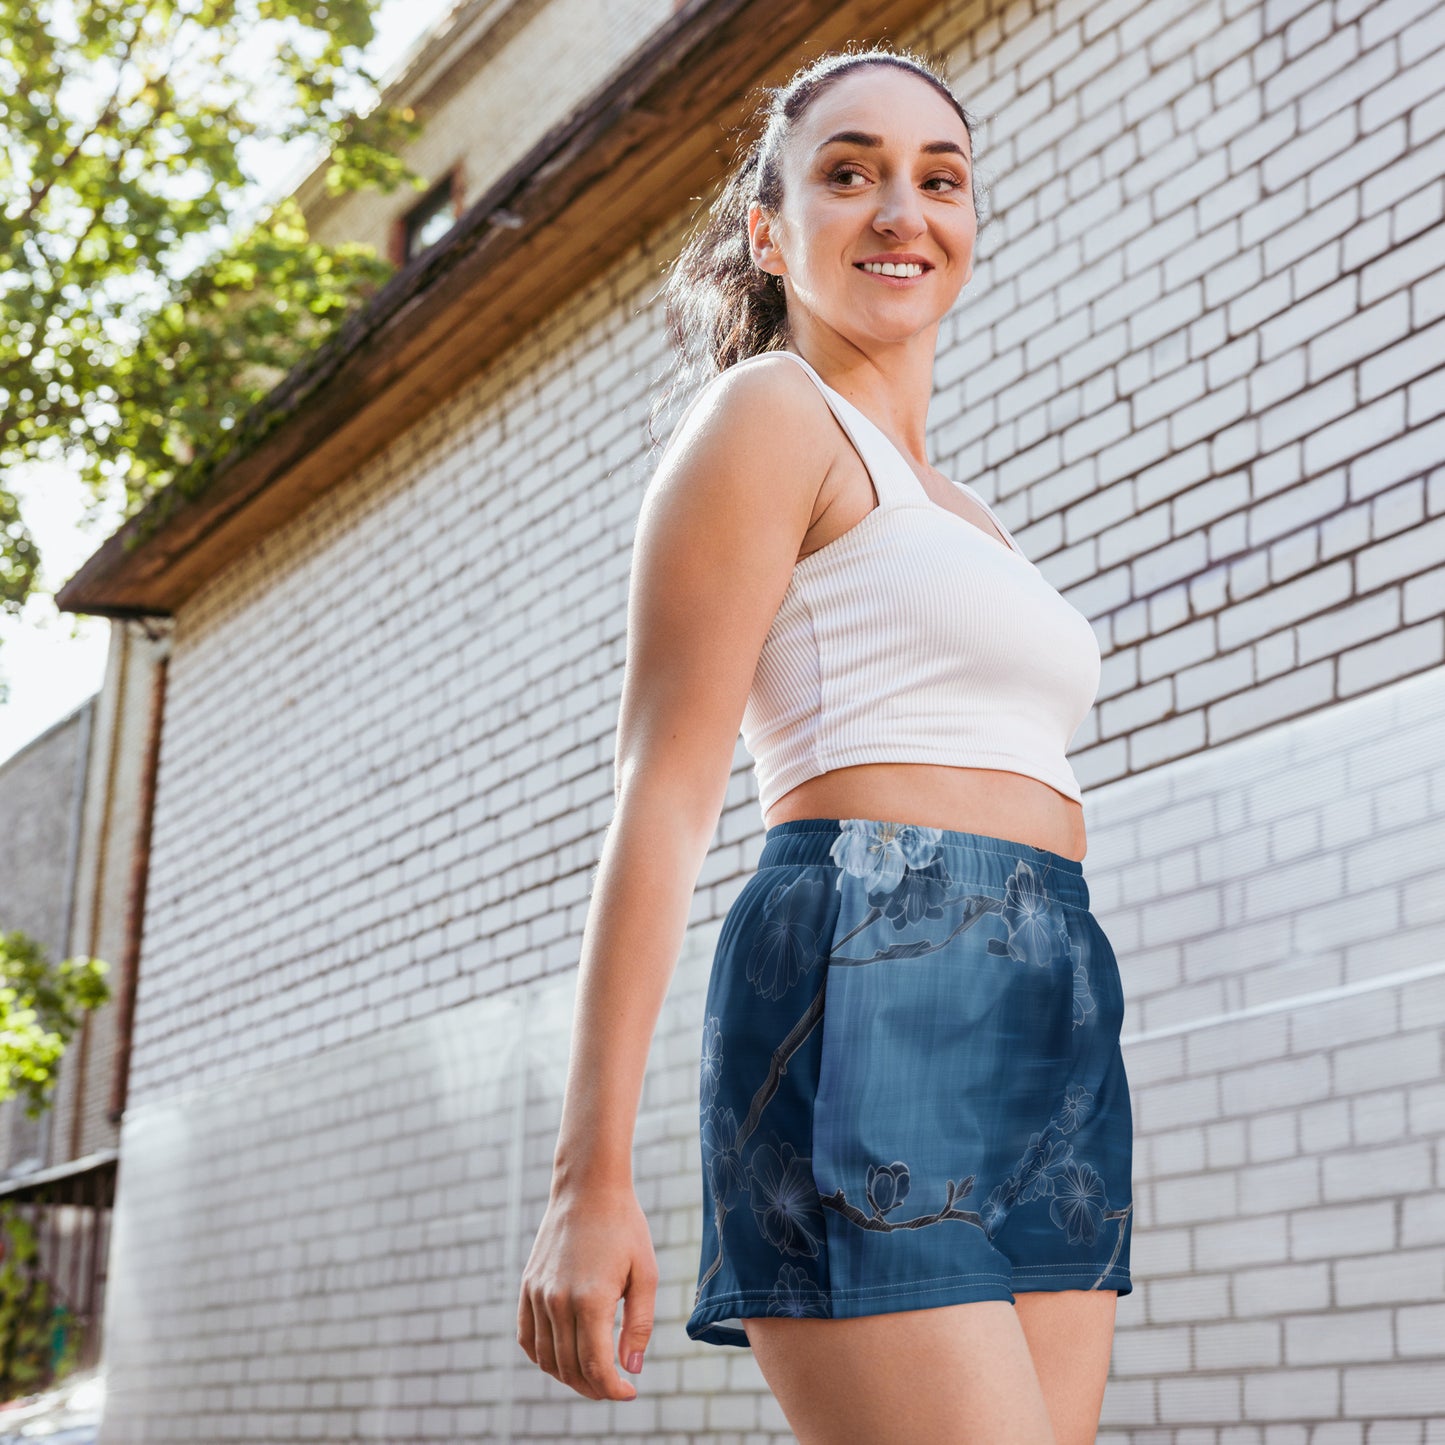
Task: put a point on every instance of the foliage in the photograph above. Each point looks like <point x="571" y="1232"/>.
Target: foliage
<point x="40" y="1008"/>
<point x="144" y="313"/>
<point x="30" y="1314"/>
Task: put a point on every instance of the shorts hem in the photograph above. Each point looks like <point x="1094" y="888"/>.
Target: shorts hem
<point x="1036" y="1278"/>
<point x="844" y="1304"/>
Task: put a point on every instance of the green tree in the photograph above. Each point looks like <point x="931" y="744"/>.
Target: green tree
<point x="41" y="1005"/>
<point x="145" y="307"/>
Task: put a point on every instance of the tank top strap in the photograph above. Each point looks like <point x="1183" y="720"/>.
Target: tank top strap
<point x="894" y="480"/>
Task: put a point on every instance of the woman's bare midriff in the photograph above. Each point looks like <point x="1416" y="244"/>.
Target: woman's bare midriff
<point x="971" y="800"/>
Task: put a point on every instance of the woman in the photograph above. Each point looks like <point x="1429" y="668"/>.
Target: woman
<point x="915" y="1122"/>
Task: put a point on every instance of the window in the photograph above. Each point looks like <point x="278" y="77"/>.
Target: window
<point x="429" y="220"/>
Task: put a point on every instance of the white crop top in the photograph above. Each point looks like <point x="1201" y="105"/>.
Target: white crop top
<point x="916" y="637"/>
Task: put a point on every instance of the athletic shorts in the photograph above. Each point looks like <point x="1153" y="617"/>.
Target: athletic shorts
<point x="911" y="1089"/>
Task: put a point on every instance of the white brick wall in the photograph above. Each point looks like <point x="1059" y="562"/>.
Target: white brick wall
<point x="1195" y="372"/>
<point x="1283" y="1037"/>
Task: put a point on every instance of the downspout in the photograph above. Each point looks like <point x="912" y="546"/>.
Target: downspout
<point x="97" y="902"/>
<point x="136" y="890"/>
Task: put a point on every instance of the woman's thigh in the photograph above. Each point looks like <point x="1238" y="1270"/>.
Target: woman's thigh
<point x="961" y="1373"/>
<point x="1071" y="1336"/>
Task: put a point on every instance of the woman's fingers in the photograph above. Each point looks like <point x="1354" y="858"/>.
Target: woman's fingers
<point x="526" y="1324"/>
<point x="544" y="1348"/>
<point x="571" y="1340"/>
<point x="595" y="1355"/>
<point x="582" y="1264"/>
<point x="564" y="1336"/>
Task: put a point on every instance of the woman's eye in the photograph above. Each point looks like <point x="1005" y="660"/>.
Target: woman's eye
<point x="839" y="172"/>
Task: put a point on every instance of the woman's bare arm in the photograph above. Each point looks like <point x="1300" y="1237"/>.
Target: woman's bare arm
<point x="719" y="531"/>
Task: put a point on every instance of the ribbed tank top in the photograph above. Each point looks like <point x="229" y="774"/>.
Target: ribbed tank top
<point x="915" y="637"/>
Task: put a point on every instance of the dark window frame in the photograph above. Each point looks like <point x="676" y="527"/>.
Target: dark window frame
<point x="446" y="193"/>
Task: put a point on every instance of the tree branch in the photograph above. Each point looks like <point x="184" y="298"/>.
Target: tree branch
<point x="108" y="112"/>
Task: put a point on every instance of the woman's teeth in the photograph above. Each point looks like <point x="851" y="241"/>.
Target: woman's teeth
<point x="893" y="268"/>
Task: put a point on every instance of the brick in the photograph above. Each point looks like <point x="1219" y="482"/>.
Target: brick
<point x="1196" y="1297"/>
<point x="1175" y="738"/>
<point x="1339" y="1338"/>
<point x="1241" y="1345"/>
<point x="1241" y="1041"/>
<point x="1294" y="1394"/>
<point x="1260" y="1240"/>
<point x="1343" y="1020"/>
<point x="1378" y="1118"/>
<point x="1410" y="650"/>
<point x="1372" y="1173"/>
<point x="1422" y="1220"/>
<point x="1289" y="1081"/>
<point x="1194" y="1197"/>
<point x="1416" y="355"/>
<point x="1276" y="1135"/>
<point x="1150" y="1352"/>
<point x="1371" y="617"/>
<point x="1421" y="1330"/>
<point x="1270" y="702"/>
<point x="1176" y="1151"/>
<point x="1227" y="1144"/>
<point x="1332" y="1231"/>
<point x="1411" y="261"/>
<point x="1409" y="1058"/>
<point x="1128" y="1402"/>
<point x="1287" y="1185"/>
<point x="1425" y="1104"/>
<point x="1394" y="1389"/>
<point x="1211" y="1398"/>
<point x="1390" y="183"/>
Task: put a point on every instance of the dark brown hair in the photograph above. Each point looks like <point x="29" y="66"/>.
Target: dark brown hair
<point x="719" y="307"/>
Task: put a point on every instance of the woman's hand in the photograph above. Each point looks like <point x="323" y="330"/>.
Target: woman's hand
<point x="593" y="1248"/>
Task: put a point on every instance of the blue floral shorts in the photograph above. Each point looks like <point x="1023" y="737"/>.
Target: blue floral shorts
<point x="911" y="1092"/>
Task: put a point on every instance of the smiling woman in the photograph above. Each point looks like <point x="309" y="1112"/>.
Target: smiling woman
<point x="718" y="282"/>
<point x="915" y="1132"/>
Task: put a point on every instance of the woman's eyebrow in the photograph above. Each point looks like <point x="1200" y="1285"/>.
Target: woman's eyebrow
<point x="864" y="138"/>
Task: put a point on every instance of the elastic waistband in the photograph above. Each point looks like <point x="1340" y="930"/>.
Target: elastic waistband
<point x="977" y="857"/>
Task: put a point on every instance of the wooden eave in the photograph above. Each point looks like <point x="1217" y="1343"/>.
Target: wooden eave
<point x="625" y="162"/>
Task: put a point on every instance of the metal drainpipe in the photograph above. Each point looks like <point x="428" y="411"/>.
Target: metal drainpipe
<point x="136" y="892"/>
<point x="97" y="909"/>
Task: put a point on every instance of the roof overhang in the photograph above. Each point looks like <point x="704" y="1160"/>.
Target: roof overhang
<point x="620" y="166"/>
<point x="88" y="1180"/>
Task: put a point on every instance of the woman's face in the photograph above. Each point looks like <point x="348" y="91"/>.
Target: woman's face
<point x="879" y="166"/>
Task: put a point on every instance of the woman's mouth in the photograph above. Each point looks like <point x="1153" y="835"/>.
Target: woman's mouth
<point x="894" y="273"/>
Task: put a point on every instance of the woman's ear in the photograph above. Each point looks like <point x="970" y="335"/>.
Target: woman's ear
<point x="766" y="255"/>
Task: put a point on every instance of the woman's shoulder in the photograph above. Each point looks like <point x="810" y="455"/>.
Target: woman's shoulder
<point x="768" y="391"/>
<point x="755" y="441"/>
